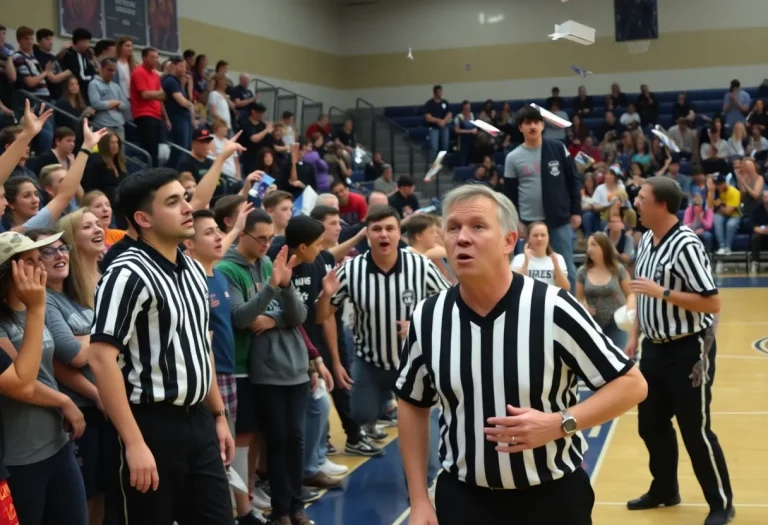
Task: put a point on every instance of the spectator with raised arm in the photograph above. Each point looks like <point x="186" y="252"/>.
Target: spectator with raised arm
<point x="736" y="104"/>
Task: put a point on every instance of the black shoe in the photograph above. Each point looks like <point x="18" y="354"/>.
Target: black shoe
<point x="648" y="501"/>
<point x="308" y="495"/>
<point x="252" y="519"/>
<point x="363" y="448"/>
<point x="720" y="517"/>
<point x="330" y="450"/>
<point x="375" y="433"/>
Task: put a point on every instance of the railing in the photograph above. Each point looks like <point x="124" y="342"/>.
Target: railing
<point x="278" y="100"/>
<point x="127" y="146"/>
<point x="366" y="130"/>
<point x="338" y="116"/>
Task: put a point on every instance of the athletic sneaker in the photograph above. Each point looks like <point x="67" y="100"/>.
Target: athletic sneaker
<point x="329" y="468"/>
<point x="308" y="495"/>
<point x="375" y="432"/>
<point x="389" y="419"/>
<point x="260" y="498"/>
<point x="255" y="517"/>
<point x="363" y="448"/>
<point x="330" y="450"/>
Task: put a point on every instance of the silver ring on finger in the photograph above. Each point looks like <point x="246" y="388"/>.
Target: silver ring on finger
<point x="514" y="441"/>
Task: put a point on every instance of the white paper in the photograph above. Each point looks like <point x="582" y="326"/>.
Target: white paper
<point x="308" y="200"/>
<point x="410" y="54"/>
<point x="584" y="73"/>
<point x="486" y="127"/>
<point x="583" y="158"/>
<point x="551" y="117"/>
<point x="236" y="482"/>
<point x="668" y="142"/>
<point x="436" y="166"/>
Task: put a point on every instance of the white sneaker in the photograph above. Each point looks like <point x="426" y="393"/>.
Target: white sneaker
<point x="754" y="268"/>
<point x="260" y="499"/>
<point x="719" y="267"/>
<point x="721" y="251"/>
<point x="727" y="251"/>
<point x="329" y="468"/>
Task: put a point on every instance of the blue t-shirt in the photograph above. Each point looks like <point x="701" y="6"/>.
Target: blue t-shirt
<point x="172" y="85"/>
<point x="221" y="324"/>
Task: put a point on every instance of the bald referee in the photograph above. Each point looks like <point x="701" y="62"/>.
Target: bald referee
<point x="676" y="303"/>
<point x="501" y="353"/>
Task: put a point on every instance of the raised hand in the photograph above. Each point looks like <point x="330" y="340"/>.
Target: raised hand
<point x="91" y="137"/>
<point x="331" y="282"/>
<point x="242" y="216"/>
<point x="33" y="124"/>
<point x="30" y="284"/>
<point x="282" y="269"/>
<point x="232" y="146"/>
<point x="295" y="157"/>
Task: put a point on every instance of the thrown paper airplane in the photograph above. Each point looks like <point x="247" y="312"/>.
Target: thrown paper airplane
<point x="668" y="142"/>
<point x="436" y="166"/>
<point x="574" y="32"/>
<point x="551" y="117"/>
<point x="410" y="54"/>
<point x="581" y="72"/>
<point x="493" y="131"/>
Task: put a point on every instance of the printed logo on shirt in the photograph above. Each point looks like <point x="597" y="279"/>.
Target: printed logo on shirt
<point x="408" y="297"/>
<point x="541" y="275"/>
<point x="214" y="302"/>
<point x="554" y="168"/>
<point x="658" y="274"/>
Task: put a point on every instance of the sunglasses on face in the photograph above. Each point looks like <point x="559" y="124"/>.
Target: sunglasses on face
<point x="51" y="253"/>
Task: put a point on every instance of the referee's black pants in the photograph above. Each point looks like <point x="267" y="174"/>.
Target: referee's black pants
<point x="193" y="488"/>
<point x="667" y="368"/>
<point x="568" y="500"/>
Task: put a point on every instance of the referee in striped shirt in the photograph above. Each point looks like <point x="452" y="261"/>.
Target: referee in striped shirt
<point x="151" y="356"/>
<point x="501" y="354"/>
<point x="676" y="303"/>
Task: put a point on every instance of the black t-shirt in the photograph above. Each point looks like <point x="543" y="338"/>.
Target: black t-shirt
<point x="398" y="202"/>
<point x="437" y="109"/>
<point x="304" y="172"/>
<point x="171" y="85"/>
<point x="251" y="148"/>
<point x="308" y="281"/>
<point x="348" y="139"/>
<point x="277" y="243"/>
<point x="56" y="90"/>
<point x="198" y="168"/>
<point x="240" y="93"/>
<point x="269" y="141"/>
<point x="759" y="216"/>
<point x="114" y="251"/>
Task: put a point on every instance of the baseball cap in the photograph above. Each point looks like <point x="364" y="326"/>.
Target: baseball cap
<point x="202" y="134"/>
<point x="720" y="178"/>
<point x="14" y="243"/>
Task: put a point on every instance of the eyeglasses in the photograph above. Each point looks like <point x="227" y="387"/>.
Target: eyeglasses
<point x="262" y="240"/>
<point x="51" y="253"/>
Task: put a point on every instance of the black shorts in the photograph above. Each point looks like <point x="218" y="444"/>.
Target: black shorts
<point x="246" y="422"/>
<point x="90" y="451"/>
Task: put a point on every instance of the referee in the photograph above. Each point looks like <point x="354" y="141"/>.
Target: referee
<point x="501" y="353"/>
<point x="676" y="303"/>
<point x="152" y="360"/>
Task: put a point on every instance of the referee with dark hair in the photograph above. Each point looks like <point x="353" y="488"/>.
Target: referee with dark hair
<point x="676" y="303"/>
<point x="151" y="356"/>
<point x="501" y="353"/>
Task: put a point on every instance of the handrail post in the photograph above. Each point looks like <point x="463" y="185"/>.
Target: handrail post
<point x="392" y="149"/>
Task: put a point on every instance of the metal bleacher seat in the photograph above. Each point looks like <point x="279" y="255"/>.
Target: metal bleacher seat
<point x="706" y="106"/>
<point x="401" y="111"/>
<point x="409" y="122"/>
<point x="418" y="133"/>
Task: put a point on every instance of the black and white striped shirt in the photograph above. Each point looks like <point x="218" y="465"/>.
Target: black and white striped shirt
<point x="679" y="263"/>
<point x="528" y="352"/>
<point x="380" y="299"/>
<point x="156" y="314"/>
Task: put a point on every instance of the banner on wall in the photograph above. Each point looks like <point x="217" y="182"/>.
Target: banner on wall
<point x="152" y="23"/>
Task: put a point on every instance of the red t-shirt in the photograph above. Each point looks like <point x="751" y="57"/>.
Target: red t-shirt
<point x="355" y="210"/>
<point x="143" y="79"/>
<point x="316" y="128"/>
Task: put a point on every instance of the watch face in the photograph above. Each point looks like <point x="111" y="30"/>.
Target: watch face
<point x="569" y="425"/>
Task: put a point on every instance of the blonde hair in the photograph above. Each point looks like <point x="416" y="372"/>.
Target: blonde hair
<point x="80" y="290"/>
<point x="218" y="122"/>
<point x="46" y="172"/>
<point x="186" y="177"/>
<point x="91" y="196"/>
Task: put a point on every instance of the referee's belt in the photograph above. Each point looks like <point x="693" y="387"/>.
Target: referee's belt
<point x="670" y="339"/>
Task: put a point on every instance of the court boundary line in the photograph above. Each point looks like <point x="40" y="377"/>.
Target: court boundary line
<point x="603" y="451"/>
<point x="402" y="517"/>
<point x="737" y="505"/>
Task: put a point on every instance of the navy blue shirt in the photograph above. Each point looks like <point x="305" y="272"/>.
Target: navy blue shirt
<point x="308" y="280"/>
<point x="221" y="324"/>
<point x="172" y="85"/>
<point x="437" y="109"/>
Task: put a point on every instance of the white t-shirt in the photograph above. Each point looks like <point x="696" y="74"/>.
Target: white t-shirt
<point x="540" y="268"/>
<point x="218" y="147"/>
<point x="124" y="74"/>
<point x="218" y="104"/>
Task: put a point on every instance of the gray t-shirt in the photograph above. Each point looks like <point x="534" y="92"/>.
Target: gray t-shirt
<point x="383" y="186"/>
<point x="524" y="164"/>
<point x="66" y="319"/>
<point x="31" y="433"/>
<point x="606" y="298"/>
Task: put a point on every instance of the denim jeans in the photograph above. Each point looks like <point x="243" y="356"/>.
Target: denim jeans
<point x="591" y="223"/>
<point x="315" y="434"/>
<point x="561" y="239"/>
<point x="438" y="141"/>
<point x="180" y="134"/>
<point x="726" y="229"/>
<point x="707" y="240"/>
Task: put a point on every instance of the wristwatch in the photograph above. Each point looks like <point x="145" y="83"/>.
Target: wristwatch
<point x="569" y="423"/>
<point x="220" y="413"/>
<point x="667" y="292"/>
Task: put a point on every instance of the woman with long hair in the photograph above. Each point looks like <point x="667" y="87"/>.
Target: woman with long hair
<point x="73" y="274"/>
<point x="738" y="139"/>
<point x="265" y="161"/>
<point x="45" y="479"/>
<point x="602" y="286"/>
<point x="72" y="102"/>
<point x="539" y="261"/>
<point x="642" y="156"/>
<point x="98" y="204"/>
<point x="219" y="105"/>
<point x="200" y="78"/>
<point x="126" y="63"/>
<point x="106" y="169"/>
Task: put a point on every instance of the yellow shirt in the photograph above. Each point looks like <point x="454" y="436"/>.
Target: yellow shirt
<point x="731" y="197"/>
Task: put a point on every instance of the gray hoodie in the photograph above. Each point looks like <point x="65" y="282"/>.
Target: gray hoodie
<point x="277" y="356"/>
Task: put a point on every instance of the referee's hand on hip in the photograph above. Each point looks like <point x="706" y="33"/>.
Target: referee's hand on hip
<point x="523" y="429"/>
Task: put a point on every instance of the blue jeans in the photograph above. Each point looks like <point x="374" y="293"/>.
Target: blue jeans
<point x="726" y="229"/>
<point x="561" y="239"/>
<point x="370" y="397"/>
<point x="591" y="223"/>
<point x="180" y="134"/>
<point x="49" y="491"/>
<point x="315" y="434"/>
<point x="438" y="141"/>
<point x="707" y="240"/>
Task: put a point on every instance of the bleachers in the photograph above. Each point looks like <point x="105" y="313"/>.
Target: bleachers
<point x="707" y="102"/>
